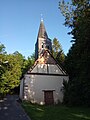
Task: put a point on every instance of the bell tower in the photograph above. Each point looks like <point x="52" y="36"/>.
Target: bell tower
<point x="43" y="42"/>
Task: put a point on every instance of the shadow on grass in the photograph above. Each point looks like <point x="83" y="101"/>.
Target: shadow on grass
<point x="81" y="116"/>
<point x="58" y="112"/>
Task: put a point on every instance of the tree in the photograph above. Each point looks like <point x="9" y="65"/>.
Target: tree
<point x="57" y="51"/>
<point x="2" y="62"/>
<point x="3" y="67"/>
<point x="55" y="47"/>
<point x="77" y="16"/>
<point x="2" y="49"/>
<point x="12" y="74"/>
<point x="60" y="58"/>
<point x="32" y="58"/>
<point x="27" y="64"/>
<point x="12" y="68"/>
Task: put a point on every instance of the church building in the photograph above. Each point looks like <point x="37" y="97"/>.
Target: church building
<point x="43" y="84"/>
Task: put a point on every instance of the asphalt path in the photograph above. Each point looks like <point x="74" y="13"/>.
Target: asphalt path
<point x="10" y="109"/>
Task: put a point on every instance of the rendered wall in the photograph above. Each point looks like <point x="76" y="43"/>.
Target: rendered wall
<point x="21" y="89"/>
<point x="37" y="83"/>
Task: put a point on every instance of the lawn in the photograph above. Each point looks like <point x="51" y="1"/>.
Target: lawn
<point x="58" y="112"/>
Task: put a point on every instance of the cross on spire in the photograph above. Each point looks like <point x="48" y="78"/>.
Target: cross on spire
<point x="41" y="17"/>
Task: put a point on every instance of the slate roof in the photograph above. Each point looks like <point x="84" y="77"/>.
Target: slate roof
<point x="47" y="58"/>
<point x="42" y="31"/>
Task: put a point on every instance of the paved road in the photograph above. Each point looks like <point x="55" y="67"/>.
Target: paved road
<point x="10" y="109"/>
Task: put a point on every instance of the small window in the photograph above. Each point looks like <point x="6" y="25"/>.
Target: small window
<point x="48" y="47"/>
<point x="42" y="46"/>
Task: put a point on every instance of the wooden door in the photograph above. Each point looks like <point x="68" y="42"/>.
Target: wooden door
<point x="48" y="97"/>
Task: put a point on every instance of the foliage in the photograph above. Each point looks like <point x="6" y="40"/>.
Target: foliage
<point x="2" y="49"/>
<point x="11" y="76"/>
<point x="60" y="58"/>
<point x="56" y="112"/>
<point x="12" y="68"/>
<point x="57" y="51"/>
<point x="28" y="63"/>
<point x="77" y="16"/>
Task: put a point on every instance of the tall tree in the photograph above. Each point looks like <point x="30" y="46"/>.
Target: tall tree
<point x="56" y="47"/>
<point x="57" y="51"/>
<point x="12" y="73"/>
<point x="77" y="16"/>
<point x="12" y="68"/>
<point x="27" y="64"/>
<point x="3" y="67"/>
<point x="2" y="49"/>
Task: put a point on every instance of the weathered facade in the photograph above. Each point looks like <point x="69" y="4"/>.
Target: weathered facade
<point x="43" y="84"/>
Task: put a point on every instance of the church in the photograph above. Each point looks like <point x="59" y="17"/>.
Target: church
<point x="43" y="84"/>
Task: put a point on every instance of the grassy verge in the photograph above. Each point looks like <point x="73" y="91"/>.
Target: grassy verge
<point x="58" y="112"/>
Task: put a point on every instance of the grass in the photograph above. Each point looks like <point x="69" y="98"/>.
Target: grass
<point x="58" y="112"/>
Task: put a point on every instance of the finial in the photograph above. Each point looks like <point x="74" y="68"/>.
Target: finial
<point x="41" y="17"/>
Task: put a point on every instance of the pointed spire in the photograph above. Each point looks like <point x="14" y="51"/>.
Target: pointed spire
<point x="42" y="31"/>
<point x="43" y="42"/>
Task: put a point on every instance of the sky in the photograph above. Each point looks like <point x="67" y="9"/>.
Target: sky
<point x="20" y="21"/>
